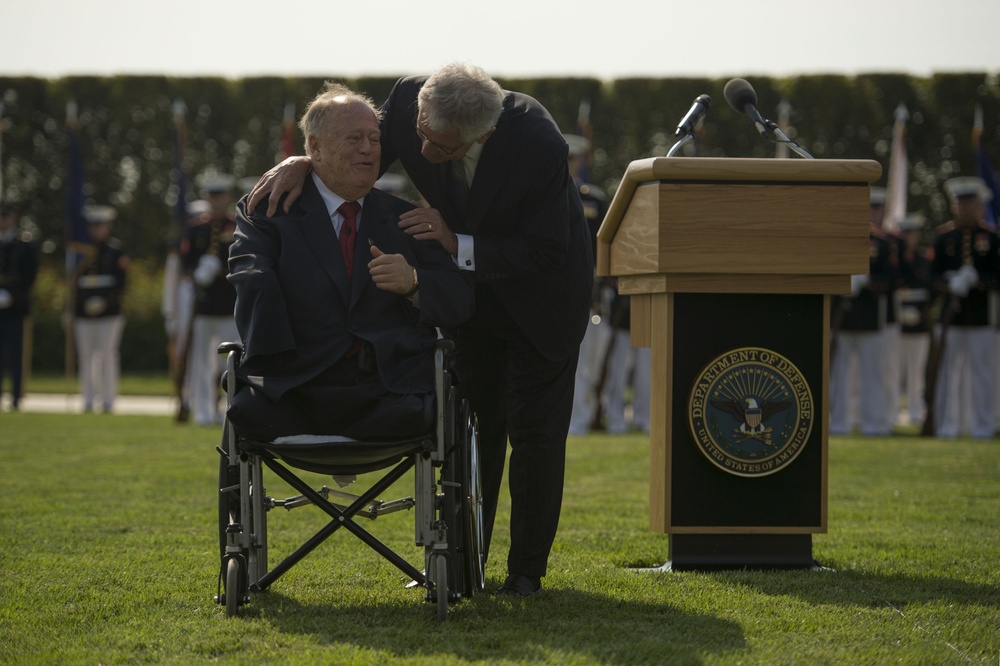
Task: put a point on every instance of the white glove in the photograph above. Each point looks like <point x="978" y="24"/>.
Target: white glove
<point x="95" y="306"/>
<point x="958" y="285"/>
<point x="970" y="275"/>
<point x="208" y="268"/>
<point x="858" y="282"/>
<point x="6" y="300"/>
<point x="909" y="315"/>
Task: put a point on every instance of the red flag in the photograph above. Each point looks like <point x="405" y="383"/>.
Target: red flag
<point x="288" y="137"/>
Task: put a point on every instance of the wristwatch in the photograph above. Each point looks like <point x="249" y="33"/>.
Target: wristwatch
<point x="416" y="283"/>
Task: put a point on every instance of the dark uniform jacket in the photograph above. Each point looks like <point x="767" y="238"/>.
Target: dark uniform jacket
<point x="18" y="269"/>
<point x="979" y="247"/>
<point x="100" y="281"/>
<point x="213" y="237"/>
<point x="913" y="296"/>
<point x="870" y="309"/>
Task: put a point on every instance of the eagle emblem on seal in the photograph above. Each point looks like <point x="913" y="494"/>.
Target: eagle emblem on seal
<point x="752" y="417"/>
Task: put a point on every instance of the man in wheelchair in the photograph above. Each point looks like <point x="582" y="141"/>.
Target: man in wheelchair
<point x="341" y="371"/>
<point x="336" y="305"/>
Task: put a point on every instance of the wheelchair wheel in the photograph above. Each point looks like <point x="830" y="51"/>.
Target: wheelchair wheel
<point x="229" y="502"/>
<point x="463" y="508"/>
<point x="232" y="589"/>
<point x="474" y="545"/>
<point x="441" y="577"/>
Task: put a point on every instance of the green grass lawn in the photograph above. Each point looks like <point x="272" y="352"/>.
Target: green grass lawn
<point x="129" y="384"/>
<point x="109" y="555"/>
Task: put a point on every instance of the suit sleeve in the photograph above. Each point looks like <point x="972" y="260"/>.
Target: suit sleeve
<point x="261" y="311"/>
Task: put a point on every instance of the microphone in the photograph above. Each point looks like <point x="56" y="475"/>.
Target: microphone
<point x="698" y="109"/>
<point x="740" y="95"/>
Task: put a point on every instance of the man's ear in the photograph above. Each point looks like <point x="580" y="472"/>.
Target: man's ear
<point x="486" y="136"/>
<point x="312" y="146"/>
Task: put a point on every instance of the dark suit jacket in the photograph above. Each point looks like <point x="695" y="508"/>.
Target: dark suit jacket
<point x="297" y="315"/>
<point x="532" y="245"/>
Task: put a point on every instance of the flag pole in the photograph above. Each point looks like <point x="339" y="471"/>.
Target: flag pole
<point x="74" y="206"/>
<point x="895" y="199"/>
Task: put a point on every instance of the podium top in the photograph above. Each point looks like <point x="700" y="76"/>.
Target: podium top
<point x="755" y="207"/>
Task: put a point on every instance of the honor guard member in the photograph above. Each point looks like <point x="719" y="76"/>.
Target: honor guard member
<point x="597" y="339"/>
<point x="965" y="270"/>
<point x="892" y="331"/>
<point x="98" y="321"/>
<point x="177" y="308"/>
<point x="18" y="269"/>
<point x="913" y="304"/>
<point x="858" y="320"/>
<point x="205" y="255"/>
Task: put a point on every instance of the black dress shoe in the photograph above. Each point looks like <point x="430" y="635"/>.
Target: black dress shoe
<point x="520" y="586"/>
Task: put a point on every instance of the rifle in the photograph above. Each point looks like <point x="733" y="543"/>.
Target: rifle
<point x="948" y="311"/>
<point x="180" y="369"/>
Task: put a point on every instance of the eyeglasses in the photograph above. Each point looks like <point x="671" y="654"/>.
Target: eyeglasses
<point x="442" y="149"/>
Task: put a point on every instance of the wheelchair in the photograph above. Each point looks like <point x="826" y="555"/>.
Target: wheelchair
<point x="446" y="502"/>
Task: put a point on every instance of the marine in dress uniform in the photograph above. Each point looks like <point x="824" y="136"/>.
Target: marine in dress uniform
<point x="597" y="339"/>
<point x="204" y="255"/>
<point x="98" y="320"/>
<point x="965" y="270"/>
<point x="18" y="269"/>
<point x="913" y="304"/>
<point x="859" y="320"/>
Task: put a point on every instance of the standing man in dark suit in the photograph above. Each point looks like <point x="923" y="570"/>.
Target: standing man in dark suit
<point x="337" y="306"/>
<point x="492" y="165"/>
<point x="18" y="269"/>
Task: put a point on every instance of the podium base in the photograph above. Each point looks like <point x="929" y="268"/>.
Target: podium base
<point x="707" y="552"/>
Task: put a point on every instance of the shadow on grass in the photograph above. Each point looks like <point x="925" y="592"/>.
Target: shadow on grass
<point x="557" y="625"/>
<point x="864" y="589"/>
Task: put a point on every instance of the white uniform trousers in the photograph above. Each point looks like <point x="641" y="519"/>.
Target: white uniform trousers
<point x="893" y="372"/>
<point x="593" y="352"/>
<point x="913" y="352"/>
<point x="98" y="342"/>
<point x="868" y="347"/>
<point x="625" y="361"/>
<point x="205" y="365"/>
<point x="969" y="355"/>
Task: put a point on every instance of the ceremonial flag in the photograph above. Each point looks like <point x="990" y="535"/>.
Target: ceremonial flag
<point x="984" y="169"/>
<point x="76" y="225"/>
<point x="896" y="190"/>
<point x="288" y="135"/>
<point x="586" y="131"/>
<point x="180" y="139"/>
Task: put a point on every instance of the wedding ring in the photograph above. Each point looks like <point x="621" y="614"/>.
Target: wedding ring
<point x="430" y="227"/>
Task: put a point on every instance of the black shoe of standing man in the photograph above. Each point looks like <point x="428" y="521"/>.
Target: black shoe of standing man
<point x="517" y="585"/>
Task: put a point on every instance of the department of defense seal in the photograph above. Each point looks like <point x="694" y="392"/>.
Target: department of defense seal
<point x="750" y="411"/>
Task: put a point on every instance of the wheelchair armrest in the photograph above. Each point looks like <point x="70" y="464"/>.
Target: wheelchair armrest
<point x="227" y="347"/>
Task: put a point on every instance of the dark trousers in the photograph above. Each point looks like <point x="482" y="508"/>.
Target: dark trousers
<point x="517" y="393"/>
<point x="11" y="353"/>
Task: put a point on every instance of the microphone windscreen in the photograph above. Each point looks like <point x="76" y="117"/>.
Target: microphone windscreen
<point x="739" y="93"/>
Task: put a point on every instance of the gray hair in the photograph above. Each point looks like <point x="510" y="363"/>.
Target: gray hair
<point x="314" y="120"/>
<point x="463" y="98"/>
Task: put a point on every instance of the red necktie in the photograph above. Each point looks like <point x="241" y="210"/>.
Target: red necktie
<point x="348" y="234"/>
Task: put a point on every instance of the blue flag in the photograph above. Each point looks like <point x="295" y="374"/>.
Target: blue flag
<point x="984" y="169"/>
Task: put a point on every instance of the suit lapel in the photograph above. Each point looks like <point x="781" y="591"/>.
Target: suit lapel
<point x="317" y="228"/>
<point x="490" y="174"/>
<point x="374" y="228"/>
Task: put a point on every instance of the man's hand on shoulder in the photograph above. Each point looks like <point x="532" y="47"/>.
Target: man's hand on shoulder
<point x="288" y="177"/>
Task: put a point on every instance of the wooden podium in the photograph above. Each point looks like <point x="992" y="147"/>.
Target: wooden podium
<point x="730" y="264"/>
